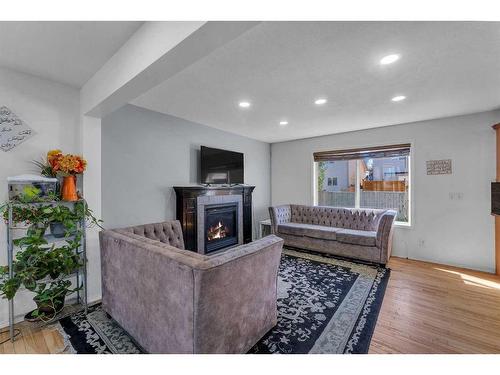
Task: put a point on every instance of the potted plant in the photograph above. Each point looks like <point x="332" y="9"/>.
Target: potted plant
<point x="62" y="220"/>
<point x="41" y="267"/>
<point x="38" y="266"/>
<point x="49" y="300"/>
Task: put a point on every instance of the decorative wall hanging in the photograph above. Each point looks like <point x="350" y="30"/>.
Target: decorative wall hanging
<point x="13" y="130"/>
<point x="438" y="167"/>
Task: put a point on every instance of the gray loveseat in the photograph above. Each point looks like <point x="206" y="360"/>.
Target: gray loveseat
<point x="364" y="234"/>
<point x="172" y="300"/>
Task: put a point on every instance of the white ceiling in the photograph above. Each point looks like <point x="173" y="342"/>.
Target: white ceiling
<point x="66" y="52"/>
<point x="446" y="68"/>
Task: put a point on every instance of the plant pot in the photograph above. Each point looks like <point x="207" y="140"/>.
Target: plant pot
<point x="57" y="230"/>
<point x="47" y="311"/>
<point x="68" y="189"/>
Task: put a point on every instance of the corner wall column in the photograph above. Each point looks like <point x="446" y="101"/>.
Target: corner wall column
<point x="91" y="150"/>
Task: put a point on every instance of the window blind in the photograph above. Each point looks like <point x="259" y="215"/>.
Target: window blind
<point x="367" y="152"/>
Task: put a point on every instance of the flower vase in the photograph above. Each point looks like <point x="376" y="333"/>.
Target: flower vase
<point x="68" y="190"/>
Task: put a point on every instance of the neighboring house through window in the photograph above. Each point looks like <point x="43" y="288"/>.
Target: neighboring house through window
<point x="375" y="177"/>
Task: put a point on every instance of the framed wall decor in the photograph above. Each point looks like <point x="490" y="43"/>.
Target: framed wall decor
<point x="435" y="167"/>
<point x="13" y="130"/>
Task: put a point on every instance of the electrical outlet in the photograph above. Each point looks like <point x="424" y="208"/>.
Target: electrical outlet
<point x="421" y="243"/>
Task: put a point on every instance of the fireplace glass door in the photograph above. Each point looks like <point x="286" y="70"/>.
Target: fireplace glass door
<point x="221" y="226"/>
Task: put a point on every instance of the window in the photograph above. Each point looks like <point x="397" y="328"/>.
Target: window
<point x="332" y="181"/>
<point x="376" y="177"/>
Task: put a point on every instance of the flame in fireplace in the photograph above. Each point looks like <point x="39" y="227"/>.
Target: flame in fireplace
<point x="217" y="231"/>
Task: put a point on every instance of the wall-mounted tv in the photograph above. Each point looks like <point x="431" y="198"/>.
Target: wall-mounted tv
<point x="221" y="166"/>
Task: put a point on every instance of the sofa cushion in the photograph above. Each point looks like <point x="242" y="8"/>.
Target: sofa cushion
<point x="357" y="237"/>
<point x="308" y="230"/>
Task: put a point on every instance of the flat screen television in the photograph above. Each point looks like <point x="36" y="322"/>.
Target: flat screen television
<point x="221" y="166"/>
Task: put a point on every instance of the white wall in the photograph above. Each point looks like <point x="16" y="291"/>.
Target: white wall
<point x="52" y="110"/>
<point x="145" y="153"/>
<point x="444" y="230"/>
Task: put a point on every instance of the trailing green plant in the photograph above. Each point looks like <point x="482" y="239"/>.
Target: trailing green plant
<point x="39" y="266"/>
<point x="27" y="213"/>
<point x="21" y="214"/>
<point x="43" y="215"/>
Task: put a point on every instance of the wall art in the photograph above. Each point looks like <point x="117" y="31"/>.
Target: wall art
<point x="438" y="166"/>
<point x="13" y="130"/>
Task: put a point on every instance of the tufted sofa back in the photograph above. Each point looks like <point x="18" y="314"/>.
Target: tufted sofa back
<point x="169" y="232"/>
<point x="347" y="218"/>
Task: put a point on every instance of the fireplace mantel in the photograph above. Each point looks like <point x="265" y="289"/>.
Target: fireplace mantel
<point x="187" y="209"/>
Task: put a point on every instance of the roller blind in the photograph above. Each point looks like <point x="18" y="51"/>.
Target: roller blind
<point x="367" y="152"/>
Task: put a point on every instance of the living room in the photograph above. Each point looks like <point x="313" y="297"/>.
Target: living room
<point x="245" y="187"/>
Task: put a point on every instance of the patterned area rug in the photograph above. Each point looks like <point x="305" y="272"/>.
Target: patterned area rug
<point x="325" y="305"/>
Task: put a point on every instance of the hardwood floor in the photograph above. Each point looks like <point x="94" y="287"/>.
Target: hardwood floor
<point x="33" y="341"/>
<point x="428" y="308"/>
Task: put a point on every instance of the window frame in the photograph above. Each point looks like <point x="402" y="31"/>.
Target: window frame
<point x="357" y="191"/>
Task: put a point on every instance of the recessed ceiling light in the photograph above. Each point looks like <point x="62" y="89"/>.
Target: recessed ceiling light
<point x="283" y="123"/>
<point x="320" y="101"/>
<point x="389" y="59"/>
<point x="398" y="98"/>
<point x="244" y="104"/>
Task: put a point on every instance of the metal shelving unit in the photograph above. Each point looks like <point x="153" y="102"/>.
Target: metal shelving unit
<point x="80" y="274"/>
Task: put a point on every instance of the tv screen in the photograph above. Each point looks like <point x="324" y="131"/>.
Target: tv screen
<point x="221" y="166"/>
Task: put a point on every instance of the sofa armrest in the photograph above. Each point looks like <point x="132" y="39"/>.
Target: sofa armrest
<point x="279" y="215"/>
<point x="236" y="297"/>
<point x="147" y="284"/>
<point x="384" y="235"/>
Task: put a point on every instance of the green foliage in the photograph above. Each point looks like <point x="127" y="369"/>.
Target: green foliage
<point x="39" y="266"/>
<point x="49" y="297"/>
<point x="43" y="215"/>
<point x="21" y="213"/>
<point x="45" y="168"/>
<point x="321" y="175"/>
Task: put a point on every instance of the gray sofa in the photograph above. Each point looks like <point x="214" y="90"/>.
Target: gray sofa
<point x="172" y="300"/>
<point x="364" y="234"/>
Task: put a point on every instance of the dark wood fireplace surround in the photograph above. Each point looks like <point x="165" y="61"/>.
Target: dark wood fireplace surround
<point x="186" y="209"/>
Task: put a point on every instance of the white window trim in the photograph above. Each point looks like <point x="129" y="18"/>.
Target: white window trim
<point x="357" y="190"/>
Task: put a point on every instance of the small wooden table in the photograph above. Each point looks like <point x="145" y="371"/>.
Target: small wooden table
<point x="265" y="228"/>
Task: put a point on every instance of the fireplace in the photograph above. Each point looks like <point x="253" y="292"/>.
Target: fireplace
<point x="221" y="226"/>
<point x="191" y="203"/>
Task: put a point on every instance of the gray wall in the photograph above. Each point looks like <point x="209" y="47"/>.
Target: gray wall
<point x="145" y="153"/>
<point x="445" y="228"/>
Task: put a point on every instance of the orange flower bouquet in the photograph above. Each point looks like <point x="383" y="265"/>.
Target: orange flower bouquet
<point x="68" y="166"/>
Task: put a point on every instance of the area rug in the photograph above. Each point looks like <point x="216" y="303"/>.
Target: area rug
<point x="325" y="305"/>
